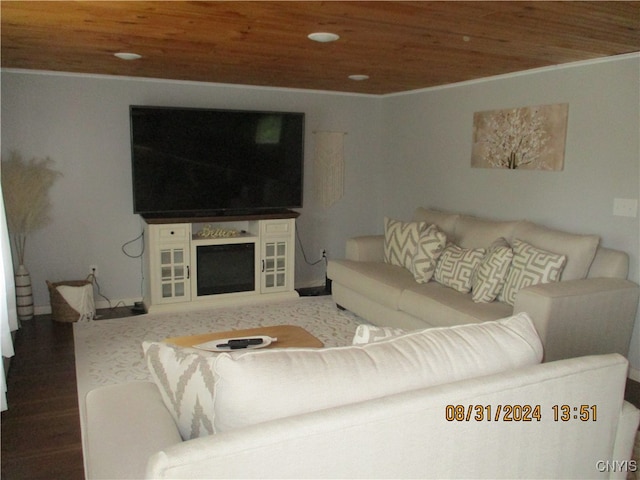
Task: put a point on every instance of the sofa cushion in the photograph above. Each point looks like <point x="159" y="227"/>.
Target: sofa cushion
<point x="441" y="306"/>
<point x="401" y="241"/>
<point x="474" y="232"/>
<point x="365" y="248"/>
<point x="456" y="267"/>
<point x="185" y="380"/>
<point x="609" y="263"/>
<point x="492" y="272"/>
<point x="369" y="334"/>
<point x="579" y="249"/>
<point x="430" y="245"/>
<point x="530" y="266"/>
<point x="445" y="221"/>
<point x="257" y="386"/>
<point x="379" y="281"/>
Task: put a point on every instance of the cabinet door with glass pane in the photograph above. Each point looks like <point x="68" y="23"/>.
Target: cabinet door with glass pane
<point x="277" y="256"/>
<point x="171" y="272"/>
<point x="174" y="274"/>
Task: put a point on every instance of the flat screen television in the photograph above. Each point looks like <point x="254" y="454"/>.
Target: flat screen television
<point x="191" y="162"/>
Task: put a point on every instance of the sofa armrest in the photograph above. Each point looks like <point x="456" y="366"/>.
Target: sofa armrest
<point x="625" y="437"/>
<point x="581" y="317"/>
<point x="126" y="424"/>
<point x="369" y="248"/>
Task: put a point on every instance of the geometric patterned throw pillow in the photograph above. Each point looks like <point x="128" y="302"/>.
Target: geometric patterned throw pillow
<point x="185" y="379"/>
<point x="492" y="272"/>
<point x="401" y="241"/>
<point x="430" y="245"/>
<point x="370" y="334"/>
<point x="530" y="266"/>
<point x="456" y="267"/>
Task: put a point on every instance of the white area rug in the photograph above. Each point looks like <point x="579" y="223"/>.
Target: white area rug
<point x="110" y="351"/>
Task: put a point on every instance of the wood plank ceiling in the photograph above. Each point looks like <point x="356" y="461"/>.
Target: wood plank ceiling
<point x="400" y="45"/>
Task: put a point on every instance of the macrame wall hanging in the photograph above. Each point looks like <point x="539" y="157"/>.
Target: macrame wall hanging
<point x="328" y="167"/>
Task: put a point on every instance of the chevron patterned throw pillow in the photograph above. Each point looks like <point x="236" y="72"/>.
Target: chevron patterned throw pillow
<point x="456" y="267"/>
<point x="401" y="241"/>
<point x="430" y="245"/>
<point x="530" y="266"/>
<point x="371" y="334"/>
<point x="492" y="272"/>
<point x="185" y="379"/>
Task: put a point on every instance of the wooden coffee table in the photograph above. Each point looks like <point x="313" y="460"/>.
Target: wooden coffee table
<point x="287" y="335"/>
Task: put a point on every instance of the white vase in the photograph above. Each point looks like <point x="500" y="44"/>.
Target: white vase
<point x="24" y="294"/>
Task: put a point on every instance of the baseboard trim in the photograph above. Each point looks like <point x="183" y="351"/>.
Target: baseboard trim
<point x="100" y="304"/>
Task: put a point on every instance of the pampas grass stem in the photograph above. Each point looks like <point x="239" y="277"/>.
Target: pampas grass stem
<point x="25" y="187"/>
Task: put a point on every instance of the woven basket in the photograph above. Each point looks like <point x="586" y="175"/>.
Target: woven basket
<point x="61" y="311"/>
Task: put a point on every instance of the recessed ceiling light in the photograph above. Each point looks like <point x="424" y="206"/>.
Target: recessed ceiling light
<point x="359" y="78"/>
<point x="323" y="37"/>
<point x="127" y="56"/>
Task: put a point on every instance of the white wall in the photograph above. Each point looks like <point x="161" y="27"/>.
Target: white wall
<point x="429" y="136"/>
<point x="82" y="123"/>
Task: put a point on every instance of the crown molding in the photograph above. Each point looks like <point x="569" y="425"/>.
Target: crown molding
<point x="505" y="76"/>
<point x="521" y="73"/>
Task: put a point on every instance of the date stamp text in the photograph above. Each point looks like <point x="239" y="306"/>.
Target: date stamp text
<point x="519" y="413"/>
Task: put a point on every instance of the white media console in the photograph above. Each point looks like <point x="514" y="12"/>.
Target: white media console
<point x="196" y="262"/>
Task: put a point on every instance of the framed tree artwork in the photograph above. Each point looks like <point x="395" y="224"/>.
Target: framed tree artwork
<point x="526" y="138"/>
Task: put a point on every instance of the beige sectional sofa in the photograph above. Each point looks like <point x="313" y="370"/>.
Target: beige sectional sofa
<point x="457" y="402"/>
<point x="590" y="310"/>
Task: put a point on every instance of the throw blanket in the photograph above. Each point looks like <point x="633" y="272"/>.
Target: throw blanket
<point x="80" y="299"/>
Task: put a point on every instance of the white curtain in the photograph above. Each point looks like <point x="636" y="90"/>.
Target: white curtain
<point x="8" y="310"/>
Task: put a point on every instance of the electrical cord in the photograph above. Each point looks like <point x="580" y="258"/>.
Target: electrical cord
<point x="94" y="280"/>
<point x="139" y="255"/>
<point x="304" y="255"/>
<point x="126" y="244"/>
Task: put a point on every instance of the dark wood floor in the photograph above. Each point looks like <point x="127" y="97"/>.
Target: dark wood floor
<point x="41" y="429"/>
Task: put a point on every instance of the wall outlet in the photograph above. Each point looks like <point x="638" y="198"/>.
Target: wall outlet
<point x="93" y="270"/>
<point x="625" y="207"/>
<point x="323" y="253"/>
